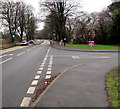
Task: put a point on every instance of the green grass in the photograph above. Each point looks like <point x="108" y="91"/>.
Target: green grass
<point x="85" y="46"/>
<point x="113" y="88"/>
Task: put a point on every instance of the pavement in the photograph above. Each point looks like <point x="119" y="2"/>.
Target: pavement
<point x="81" y="82"/>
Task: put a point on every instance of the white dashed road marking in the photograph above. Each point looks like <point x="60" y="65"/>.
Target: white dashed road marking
<point x="31" y="90"/>
<point x="29" y="49"/>
<point x="48" y="72"/>
<point x="103" y="57"/>
<point x="75" y="57"/>
<point x="35" y="82"/>
<point x="42" y="65"/>
<point x="39" y="72"/>
<point x="20" y="53"/>
<point x="5" y="60"/>
<point x="44" y="61"/>
<point x="37" y="76"/>
<point x="41" y="68"/>
<point x="3" y="56"/>
<point x="49" y="65"/>
<point x="49" y="68"/>
<point x="25" y="102"/>
<point x="10" y="54"/>
<point x="47" y="76"/>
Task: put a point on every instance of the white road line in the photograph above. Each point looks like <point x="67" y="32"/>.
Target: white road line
<point x="20" y="53"/>
<point x="44" y="61"/>
<point x="25" y="102"/>
<point x="5" y="60"/>
<point x="75" y="57"/>
<point x="48" y="72"/>
<point x="39" y="72"/>
<point x="10" y="54"/>
<point x="34" y="82"/>
<point x="41" y="68"/>
<point x="29" y="49"/>
<point x="3" y="56"/>
<point x="50" y="61"/>
<point x="49" y="65"/>
<point x="47" y="76"/>
<point x="49" y="68"/>
<point x="51" y="57"/>
<point x="104" y="57"/>
<point x="48" y="51"/>
<point x="45" y="58"/>
<point x="37" y="76"/>
<point x="42" y="65"/>
<point x="31" y="90"/>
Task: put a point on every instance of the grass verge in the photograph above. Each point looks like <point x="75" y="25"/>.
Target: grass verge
<point x="113" y="87"/>
<point x="85" y="46"/>
<point x="7" y="44"/>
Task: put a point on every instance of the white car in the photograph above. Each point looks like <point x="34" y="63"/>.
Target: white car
<point x="24" y="43"/>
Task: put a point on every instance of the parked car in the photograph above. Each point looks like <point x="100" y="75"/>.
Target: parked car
<point x="24" y="43"/>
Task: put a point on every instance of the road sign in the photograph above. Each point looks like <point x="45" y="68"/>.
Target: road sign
<point x="90" y="42"/>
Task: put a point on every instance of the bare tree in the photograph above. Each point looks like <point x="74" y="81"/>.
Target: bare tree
<point x="30" y="26"/>
<point x="9" y="16"/>
<point x="59" y="12"/>
<point x="19" y="19"/>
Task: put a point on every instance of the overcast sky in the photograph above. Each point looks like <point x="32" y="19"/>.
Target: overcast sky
<point x="88" y="6"/>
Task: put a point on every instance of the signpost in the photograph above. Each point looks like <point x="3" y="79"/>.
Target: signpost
<point x="91" y="43"/>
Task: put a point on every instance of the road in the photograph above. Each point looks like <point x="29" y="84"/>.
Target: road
<point x="22" y="69"/>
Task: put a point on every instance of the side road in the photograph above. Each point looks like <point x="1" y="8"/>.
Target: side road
<point x="81" y="86"/>
<point x="80" y="50"/>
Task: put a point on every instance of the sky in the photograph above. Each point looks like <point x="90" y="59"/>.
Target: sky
<point x="95" y="5"/>
<point x="88" y="5"/>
